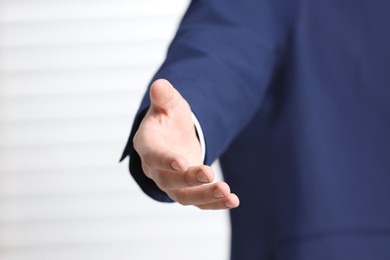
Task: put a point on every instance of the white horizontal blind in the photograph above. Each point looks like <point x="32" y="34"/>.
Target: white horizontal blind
<point x="72" y="73"/>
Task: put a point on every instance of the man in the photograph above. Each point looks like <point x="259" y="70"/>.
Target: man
<point x="294" y="98"/>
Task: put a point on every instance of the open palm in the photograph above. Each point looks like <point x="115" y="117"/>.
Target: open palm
<point x="170" y="152"/>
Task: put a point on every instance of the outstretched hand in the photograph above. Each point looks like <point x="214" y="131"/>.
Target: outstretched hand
<point x="170" y="152"/>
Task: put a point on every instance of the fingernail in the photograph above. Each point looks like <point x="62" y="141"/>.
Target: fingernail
<point x="218" y="194"/>
<point x="175" y="166"/>
<point x="201" y="177"/>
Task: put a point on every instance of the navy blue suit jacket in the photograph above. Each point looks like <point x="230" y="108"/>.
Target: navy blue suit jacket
<point x="294" y="98"/>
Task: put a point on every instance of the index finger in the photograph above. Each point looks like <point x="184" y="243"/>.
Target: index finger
<point x="157" y="158"/>
<point x="174" y="180"/>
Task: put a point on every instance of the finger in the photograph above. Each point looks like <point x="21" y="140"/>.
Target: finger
<point x="230" y="202"/>
<point x="194" y="176"/>
<point x="159" y="159"/>
<point x="163" y="95"/>
<point x="201" y="195"/>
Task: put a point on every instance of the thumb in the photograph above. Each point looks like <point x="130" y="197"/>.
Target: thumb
<point x="163" y="95"/>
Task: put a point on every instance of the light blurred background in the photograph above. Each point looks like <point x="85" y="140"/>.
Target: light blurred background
<point x="72" y="73"/>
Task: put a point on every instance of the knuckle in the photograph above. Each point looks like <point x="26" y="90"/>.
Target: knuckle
<point x="161" y="181"/>
<point x="147" y="158"/>
<point x="146" y="169"/>
<point x="138" y="141"/>
<point x="188" y="179"/>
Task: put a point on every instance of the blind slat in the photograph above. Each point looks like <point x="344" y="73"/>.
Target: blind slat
<point x="72" y="74"/>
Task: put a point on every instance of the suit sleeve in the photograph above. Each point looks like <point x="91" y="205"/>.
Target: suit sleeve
<point x="221" y="60"/>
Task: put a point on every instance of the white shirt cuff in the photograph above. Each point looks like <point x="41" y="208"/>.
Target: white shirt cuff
<point x="200" y="136"/>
